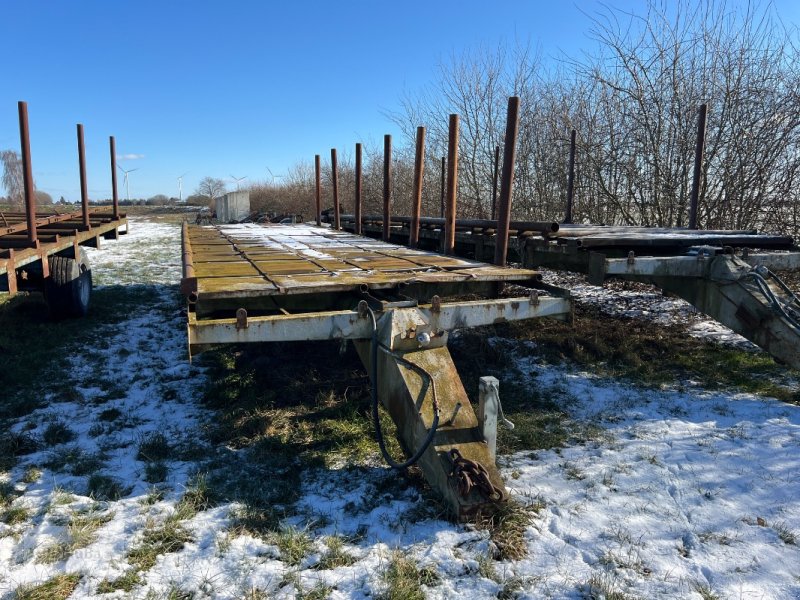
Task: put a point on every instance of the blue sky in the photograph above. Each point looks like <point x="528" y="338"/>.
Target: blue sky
<point x="233" y="88"/>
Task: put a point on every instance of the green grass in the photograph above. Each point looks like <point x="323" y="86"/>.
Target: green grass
<point x="74" y="460"/>
<point x="126" y="583"/>
<point x="59" y="587"/>
<point x="105" y="487"/>
<point x="56" y="433"/>
<point x="15" y="515"/>
<point x="153" y="446"/>
<point x="336" y="555"/>
<point x="404" y="579"/>
<point x="651" y="354"/>
<point x="34" y="347"/>
<point x="81" y="531"/>
<point x="293" y="544"/>
<point x="165" y="538"/>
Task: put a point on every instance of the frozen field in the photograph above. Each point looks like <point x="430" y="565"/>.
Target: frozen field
<point x="670" y="492"/>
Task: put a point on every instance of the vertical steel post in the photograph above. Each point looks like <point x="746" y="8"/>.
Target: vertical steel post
<point x="114" y="199"/>
<point x="27" y="173"/>
<point x="416" y="202"/>
<point x="699" y="152"/>
<point x="335" y="178"/>
<point x="570" y="178"/>
<point x="84" y="186"/>
<point x="495" y="175"/>
<point x="387" y="184"/>
<point x="443" y="187"/>
<point x="317" y="198"/>
<point x="452" y="186"/>
<point x="507" y="182"/>
<point x="357" y="211"/>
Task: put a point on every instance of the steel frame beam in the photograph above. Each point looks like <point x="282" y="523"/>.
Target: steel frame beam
<point x="348" y="324"/>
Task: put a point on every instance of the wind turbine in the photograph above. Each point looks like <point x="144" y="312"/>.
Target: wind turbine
<point x="127" y="188"/>
<point x="237" y="180"/>
<point x="180" y="187"/>
<point x="271" y="174"/>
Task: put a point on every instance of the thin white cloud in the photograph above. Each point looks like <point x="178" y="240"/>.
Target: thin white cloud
<point x="129" y="156"/>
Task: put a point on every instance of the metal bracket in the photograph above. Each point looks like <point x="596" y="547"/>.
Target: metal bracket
<point x="241" y="319"/>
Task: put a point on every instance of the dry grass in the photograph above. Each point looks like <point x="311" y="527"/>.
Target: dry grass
<point x="59" y="587"/>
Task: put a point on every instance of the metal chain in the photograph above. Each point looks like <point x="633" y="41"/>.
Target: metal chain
<point x="470" y="474"/>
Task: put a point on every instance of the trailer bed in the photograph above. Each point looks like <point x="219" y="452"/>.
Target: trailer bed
<point x="56" y="234"/>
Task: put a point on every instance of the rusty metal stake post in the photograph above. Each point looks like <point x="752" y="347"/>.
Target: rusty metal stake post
<point x="416" y="203"/>
<point x="84" y="186"/>
<point x="317" y="198"/>
<point x="570" y="178"/>
<point x="495" y="175"/>
<point x="699" y="152"/>
<point x="507" y="182"/>
<point x="114" y="199"/>
<point x="387" y="184"/>
<point x="443" y="188"/>
<point x="335" y="181"/>
<point x="452" y="187"/>
<point x="27" y="173"/>
<point x="357" y="210"/>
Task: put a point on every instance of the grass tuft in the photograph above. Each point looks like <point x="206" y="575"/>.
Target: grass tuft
<point x="506" y="525"/>
<point x="15" y="515"/>
<point x="81" y="532"/>
<point x="153" y="446"/>
<point x="104" y="487"/>
<point x="335" y="556"/>
<point x="59" y="587"/>
<point x="294" y="545"/>
<point x="57" y="433"/>
<point x="169" y="537"/>
<point x="126" y="583"/>
<point x="404" y="579"/>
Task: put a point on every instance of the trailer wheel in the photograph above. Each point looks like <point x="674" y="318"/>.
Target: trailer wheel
<point x="69" y="287"/>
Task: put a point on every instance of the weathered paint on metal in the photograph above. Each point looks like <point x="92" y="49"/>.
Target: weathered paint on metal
<point x="346" y="324"/>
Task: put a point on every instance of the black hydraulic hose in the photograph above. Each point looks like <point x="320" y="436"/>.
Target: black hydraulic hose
<point x="765" y="290"/>
<point x="374" y="392"/>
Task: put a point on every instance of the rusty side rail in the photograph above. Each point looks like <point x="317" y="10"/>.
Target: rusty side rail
<point x="189" y="281"/>
<point x="540" y="227"/>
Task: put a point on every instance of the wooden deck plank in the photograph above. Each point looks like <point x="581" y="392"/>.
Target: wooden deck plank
<point x="261" y="260"/>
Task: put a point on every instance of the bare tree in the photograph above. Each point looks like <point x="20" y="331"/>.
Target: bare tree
<point x="13" y="178"/>
<point x="211" y="188"/>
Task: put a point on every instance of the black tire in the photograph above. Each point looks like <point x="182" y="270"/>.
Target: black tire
<point x="69" y="288"/>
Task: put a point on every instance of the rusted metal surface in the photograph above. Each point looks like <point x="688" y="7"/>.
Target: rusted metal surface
<point x="357" y="201"/>
<point x="84" y="184"/>
<point x="452" y="186"/>
<point x="317" y="190"/>
<point x="507" y="182"/>
<point x="570" y="178"/>
<point x="495" y="177"/>
<point x="114" y="199"/>
<point x="699" y="153"/>
<point x="335" y="184"/>
<point x="534" y="227"/>
<point x="387" y="184"/>
<point x="27" y="173"/>
<point x="348" y="324"/>
<point x="416" y="203"/>
<point x="57" y="234"/>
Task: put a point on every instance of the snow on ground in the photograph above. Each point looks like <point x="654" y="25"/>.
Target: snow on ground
<point x="641" y="301"/>
<point x="674" y="493"/>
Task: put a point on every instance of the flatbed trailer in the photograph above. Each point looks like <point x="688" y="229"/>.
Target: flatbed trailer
<point x="251" y="283"/>
<point x="53" y="261"/>
<point x="730" y="275"/>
